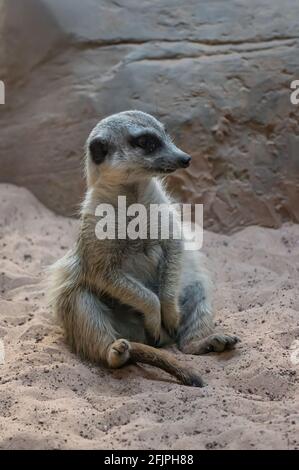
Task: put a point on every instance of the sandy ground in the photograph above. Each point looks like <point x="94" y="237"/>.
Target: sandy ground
<point x="50" y="399"/>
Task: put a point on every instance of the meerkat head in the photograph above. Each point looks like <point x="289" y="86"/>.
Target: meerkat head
<point x="131" y="145"/>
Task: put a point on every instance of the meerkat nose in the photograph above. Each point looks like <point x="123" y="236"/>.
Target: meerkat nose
<point x="184" y="161"/>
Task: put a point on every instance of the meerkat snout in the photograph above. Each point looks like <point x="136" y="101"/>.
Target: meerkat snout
<point x="184" y="161"/>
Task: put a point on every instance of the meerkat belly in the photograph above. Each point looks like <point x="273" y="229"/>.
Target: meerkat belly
<point x="144" y="266"/>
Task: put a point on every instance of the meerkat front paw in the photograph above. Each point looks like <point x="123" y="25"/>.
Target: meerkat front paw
<point x="118" y="353"/>
<point x="171" y="317"/>
<point x="152" y="325"/>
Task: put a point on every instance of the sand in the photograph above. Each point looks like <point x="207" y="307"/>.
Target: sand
<point x="50" y="399"/>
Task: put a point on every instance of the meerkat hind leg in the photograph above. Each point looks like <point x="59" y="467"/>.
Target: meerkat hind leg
<point x="196" y="334"/>
<point x="118" y="353"/>
<point x="217" y="342"/>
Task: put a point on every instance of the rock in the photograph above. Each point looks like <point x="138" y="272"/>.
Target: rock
<point x="217" y="74"/>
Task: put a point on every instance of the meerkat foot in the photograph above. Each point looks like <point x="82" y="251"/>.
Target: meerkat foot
<point x="118" y="353"/>
<point x="217" y="342"/>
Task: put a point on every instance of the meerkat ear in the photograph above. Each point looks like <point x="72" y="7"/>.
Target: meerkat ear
<point x="98" y="149"/>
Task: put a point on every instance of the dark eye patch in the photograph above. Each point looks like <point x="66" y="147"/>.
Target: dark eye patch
<point x="98" y="150"/>
<point x="147" y="142"/>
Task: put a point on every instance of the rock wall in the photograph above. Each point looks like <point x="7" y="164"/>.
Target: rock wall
<point x="217" y="73"/>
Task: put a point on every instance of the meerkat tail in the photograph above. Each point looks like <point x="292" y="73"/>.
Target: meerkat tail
<point x="163" y="360"/>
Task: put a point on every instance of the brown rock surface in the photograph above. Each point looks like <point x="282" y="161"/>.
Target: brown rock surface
<point x="218" y="73"/>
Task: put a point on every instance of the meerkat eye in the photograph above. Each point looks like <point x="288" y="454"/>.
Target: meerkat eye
<point x="147" y="142"/>
<point x="98" y="150"/>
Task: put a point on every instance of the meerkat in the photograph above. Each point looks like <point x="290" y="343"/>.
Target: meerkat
<point x="120" y="300"/>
